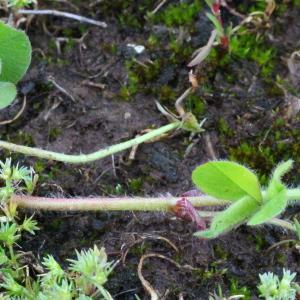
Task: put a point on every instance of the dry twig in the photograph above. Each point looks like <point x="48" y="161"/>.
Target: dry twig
<point x="17" y="115"/>
<point x="146" y="284"/>
<point x="158" y="7"/>
<point x="63" y="14"/>
<point x="60" y="88"/>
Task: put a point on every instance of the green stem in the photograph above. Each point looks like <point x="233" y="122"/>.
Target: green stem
<point x="293" y="194"/>
<point x="112" y="204"/>
<point x="85" y="158"/>
<point x="126" y="204"/>
<point x="12" y="255"/>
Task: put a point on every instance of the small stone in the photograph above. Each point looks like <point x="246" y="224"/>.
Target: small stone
<point x="137" y="48"/>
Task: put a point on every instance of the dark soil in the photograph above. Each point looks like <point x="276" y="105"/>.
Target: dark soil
<point x="249" y="119"/>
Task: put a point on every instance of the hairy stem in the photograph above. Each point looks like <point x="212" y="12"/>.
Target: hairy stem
<point x="293" y="194"/>
<point x="113" y="204"/>
<point x="85" y="158"/>
<point x="126" y="204"/>
<point x="282" y="223"/>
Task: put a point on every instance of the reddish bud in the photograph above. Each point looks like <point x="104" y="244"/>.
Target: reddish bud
<point x="186" y="211"/>
<point x="216" y="8"/>
<point x="224" y="42"/>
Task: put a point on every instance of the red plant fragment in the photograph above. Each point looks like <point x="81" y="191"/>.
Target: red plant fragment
<point x="216" y="8"/>
<point x="224" y="42"/>
<point x="186" y="211"/>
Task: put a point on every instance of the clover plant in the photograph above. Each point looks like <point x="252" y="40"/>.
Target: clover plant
<point x="224" y="182"/>
<point x="250" y="203"/>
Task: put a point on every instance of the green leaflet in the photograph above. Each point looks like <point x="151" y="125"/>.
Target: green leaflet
<point x="15" y="53"/>
<point x="275" y="184"/>
<point x="209" y="2"/>
<point x="270" y="209"/>
<point x="8" y="93"/>
<point x="234" y="215"/>
<point x="227" y="180"/>
<point x="297" y="228"/>
<point x="216" y="23"/>
<point x="275" y="200"/>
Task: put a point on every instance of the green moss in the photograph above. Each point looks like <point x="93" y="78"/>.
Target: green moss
<point x="22" y="138"/>
<point x="116" y="190"/>
<point x="249" y="46"/>
<point x="131" y="88"/>
<point x="273" y="145"/>
<point x="83" y="28"/>
<point x="297" y="2"/>
<point x="247" y="7"/>
<point x="224" y="128"/>
<point x="125" y="93"/>
<point x="212" y="272"/>
<point x="272" y="89"/>
<point x="153" y="42"/>
<point x="280" y="259"/>
<point x="56" y="224"/>
<point x="129" y="20"/>
<point x="281" y="8"/>
<point x="39" y="166"/>
<point x="235" y="289"/>
<point x="67" y="32"/>
<point x="178" y="14"/>
<point x="219" y="252"/>
<point x="138" y="250"/>
<point x="128" y="13"/>
<point x="69" y="45"/>
<point x="145" y="72"/>
<point x="196" y="105"/>
<point x="140" y="77"/>
<point x="260" y="242"/>
<point x="54" y="133"/>
<point x="135" y="185"/>
<point x="109" y="48"/>
<point x="166" y="93"/>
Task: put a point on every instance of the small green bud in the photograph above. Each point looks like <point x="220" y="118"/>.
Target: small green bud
<point x="190" y="123"/>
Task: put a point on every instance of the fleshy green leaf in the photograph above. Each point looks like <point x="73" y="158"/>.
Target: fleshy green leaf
<point x="8" y="93"/>
<point x="234" y="215"/>
<point x="209" y="2"/>
<point x="270" y="209"/>
<point x="227" y="180"/>
<point x="15" y="53"/>
<point x="216" y="23"/>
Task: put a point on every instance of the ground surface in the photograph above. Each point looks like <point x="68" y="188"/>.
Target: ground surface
<point x="249" y="119"/>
